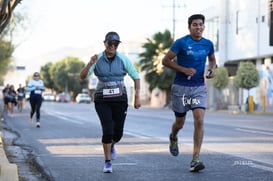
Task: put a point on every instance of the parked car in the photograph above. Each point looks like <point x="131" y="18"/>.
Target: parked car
<point x="63" y="97"/>
<point x="83" y="98"/>
<point x="48" y="97"/>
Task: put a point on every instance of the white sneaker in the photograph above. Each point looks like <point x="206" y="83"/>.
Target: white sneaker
<point x="38" y="125"/>
<point x="107" y="167"/>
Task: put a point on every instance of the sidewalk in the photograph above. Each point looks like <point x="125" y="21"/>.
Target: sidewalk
<point x="8" y="171"/>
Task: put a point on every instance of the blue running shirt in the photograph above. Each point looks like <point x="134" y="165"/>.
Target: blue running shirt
<point x="192" y="54"/>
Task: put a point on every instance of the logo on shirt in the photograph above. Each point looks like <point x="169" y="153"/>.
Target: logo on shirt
<point x="189" y="51"/>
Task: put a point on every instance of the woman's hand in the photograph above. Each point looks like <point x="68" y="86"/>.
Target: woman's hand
<point x="85" y="70"/>
<point x="93" y="59"/>
<point x="137" y="103"/>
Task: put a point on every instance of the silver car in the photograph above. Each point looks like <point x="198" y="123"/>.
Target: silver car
<point x="48" y="97"/>
<point x="83" y="98"/>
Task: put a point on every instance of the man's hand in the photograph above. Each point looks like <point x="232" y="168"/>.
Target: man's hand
<point x="210" y="74"/>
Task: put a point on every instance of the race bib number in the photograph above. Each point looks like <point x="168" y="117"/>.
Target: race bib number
<point x="21" y="94"/>
<point x="111" y="92"/>
<point x="37" y="92"/>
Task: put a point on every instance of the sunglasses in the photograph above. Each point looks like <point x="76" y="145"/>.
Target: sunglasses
<point x="115" y="43"/>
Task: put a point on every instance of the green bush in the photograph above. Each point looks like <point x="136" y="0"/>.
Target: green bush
<point x="247" y="76"/>
<point x="220" y="80"/>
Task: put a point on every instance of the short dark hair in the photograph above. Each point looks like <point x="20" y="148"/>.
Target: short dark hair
<point x="36" y="74"/>
<point x="195" y="16"/>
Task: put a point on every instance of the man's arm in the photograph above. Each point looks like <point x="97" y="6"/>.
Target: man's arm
<point x="168" y="62"/>
<point x="212" y="66"/>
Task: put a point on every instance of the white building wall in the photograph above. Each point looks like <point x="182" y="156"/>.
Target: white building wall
<point x="243" y="29"/>
<point x="244" y="35"/>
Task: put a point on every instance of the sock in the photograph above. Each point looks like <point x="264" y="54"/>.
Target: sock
<point x="173" y="138"/>
<point x="196" y="157"/>
<point x="107" y="161"/>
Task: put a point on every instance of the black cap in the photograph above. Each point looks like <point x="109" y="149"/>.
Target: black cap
<point x="110" y="36"/>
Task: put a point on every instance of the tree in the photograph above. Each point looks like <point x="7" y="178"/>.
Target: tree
<point x="220" y="81"/>
<point x="157" y="75"/>
<point x="45" y="75"/>
<point x="7" y="46"/>
<point x="65" y="75"/>
<point x="247" y="76"/>
<point x="6" y="50"/>
<point x="6" y="9"/>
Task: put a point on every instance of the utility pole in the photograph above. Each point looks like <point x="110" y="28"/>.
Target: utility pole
<point x="174" y="19"/>
<point x="270" y="22"/>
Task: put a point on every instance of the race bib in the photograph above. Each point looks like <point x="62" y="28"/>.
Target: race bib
<point x="21" y="94"/>
<point x="111" y="92"/>
<point x="37" y="92"/>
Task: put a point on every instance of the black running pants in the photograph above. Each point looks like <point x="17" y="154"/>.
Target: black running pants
<point x="112" y="116"/>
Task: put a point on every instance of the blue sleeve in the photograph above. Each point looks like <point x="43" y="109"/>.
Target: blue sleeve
<point x="30" y="86"/>
<point x="92" y="68"/>
<point x="177" y="45"/>
<point x="211" y="48"/>
<point x="131" y="70"/>
<point x="42" y="86"/>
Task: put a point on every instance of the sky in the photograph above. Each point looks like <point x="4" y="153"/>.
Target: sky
<point x="58" y="26"/>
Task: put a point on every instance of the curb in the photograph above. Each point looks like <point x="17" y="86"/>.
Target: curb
<point x="8" y="171"/>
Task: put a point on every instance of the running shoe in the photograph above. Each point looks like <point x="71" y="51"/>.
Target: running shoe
<point x="38" y="125"/>
<point x="196" y="165"/>
<point x="113" y="153"/>
<point x="107" y="167"/>
<point x="173" y="146"/>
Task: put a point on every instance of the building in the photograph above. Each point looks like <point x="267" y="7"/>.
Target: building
<point x="242" y="31"/>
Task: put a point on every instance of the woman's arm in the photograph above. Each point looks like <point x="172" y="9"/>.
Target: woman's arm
<point x="84" y="71"/>
<point x="137" y="103"/>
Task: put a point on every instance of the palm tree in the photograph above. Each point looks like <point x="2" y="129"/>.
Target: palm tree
<point x="157" y="76"/>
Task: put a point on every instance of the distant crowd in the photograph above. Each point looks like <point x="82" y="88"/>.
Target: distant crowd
<point x="13" y="98"/>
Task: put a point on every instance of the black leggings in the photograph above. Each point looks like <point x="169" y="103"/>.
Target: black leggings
<point x="112" y="117"/>
<point x="35" y="104"/>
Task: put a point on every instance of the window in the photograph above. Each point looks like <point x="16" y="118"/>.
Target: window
<point x="212" y="31"/>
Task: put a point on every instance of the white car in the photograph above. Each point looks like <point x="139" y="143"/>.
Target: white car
<point x="48" y="97"/>
<point x="83" y="98"/>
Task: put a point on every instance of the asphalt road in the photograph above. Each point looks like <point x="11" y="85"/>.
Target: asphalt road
<point x="67" y="147"/>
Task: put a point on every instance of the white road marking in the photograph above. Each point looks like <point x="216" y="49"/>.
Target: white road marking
<point x="124" y="163"/>
<point x="262" y="167"/>
<point x="64" y="117"/>
<point x="254" y="131"/>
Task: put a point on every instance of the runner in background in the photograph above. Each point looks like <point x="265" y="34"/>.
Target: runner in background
<point x="20" y="97"/>
<point x="36" y="88"/>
